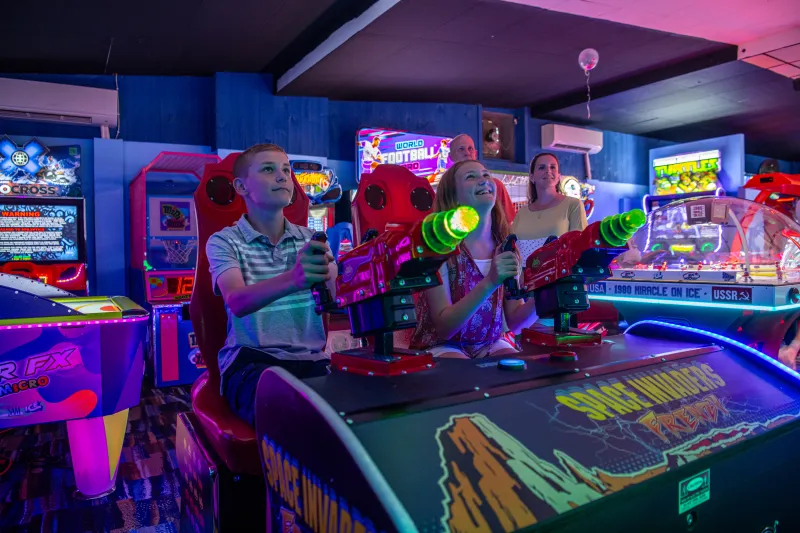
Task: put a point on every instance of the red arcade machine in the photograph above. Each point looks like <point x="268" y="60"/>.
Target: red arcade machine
<point x="777" y="190"/>
<point x="163" y="259"/>
<point x="42" y="225"/>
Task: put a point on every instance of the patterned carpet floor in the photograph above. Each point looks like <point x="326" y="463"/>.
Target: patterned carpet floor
<point x="36" y="493"/>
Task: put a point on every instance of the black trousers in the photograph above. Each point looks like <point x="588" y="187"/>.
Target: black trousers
<point x="240" y="380"/>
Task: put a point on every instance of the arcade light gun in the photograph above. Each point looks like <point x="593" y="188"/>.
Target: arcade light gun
<point x="376" y="283"/>
<point x="557" y="273"/>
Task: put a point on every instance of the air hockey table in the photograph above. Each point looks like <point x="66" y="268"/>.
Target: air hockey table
<point x="73" y="359"/>
<point x="664" y="428"/>
<point x="720" y="264"/>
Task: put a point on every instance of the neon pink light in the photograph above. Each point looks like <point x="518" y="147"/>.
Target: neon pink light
<point x="75" y="323"/>
<point x="73" y="278"/>
<point x="89" y="450"/>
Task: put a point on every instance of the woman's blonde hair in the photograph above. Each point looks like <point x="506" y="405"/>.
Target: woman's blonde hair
<point x="533" y="195"/>
<point x="446" y="199"/>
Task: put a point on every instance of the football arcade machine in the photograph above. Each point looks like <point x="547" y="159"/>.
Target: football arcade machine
<point x="745" y="285"/>
<point x="163" y="258"/>
<point x="42" y="227"/>
<point x="404" y="443"/>
<point x="427" y="156"/>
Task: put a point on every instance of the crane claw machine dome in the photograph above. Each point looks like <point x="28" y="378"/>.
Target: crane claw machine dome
<point x="717" y="263"/>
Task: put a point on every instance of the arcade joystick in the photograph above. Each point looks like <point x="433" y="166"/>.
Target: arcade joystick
<point x="322" y="295"/>
<point x="377" y="279"/>
<point x="557" y="273"/>
<point x="511" y="285"/>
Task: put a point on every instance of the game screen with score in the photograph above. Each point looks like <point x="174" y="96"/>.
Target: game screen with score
<point x="687" y="173"/>
<point x="41" y="230"/>
<point x="169" y="286"/>
<point x="427" y="156"/>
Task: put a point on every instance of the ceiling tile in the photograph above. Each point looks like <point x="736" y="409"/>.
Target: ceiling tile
<point x="763" y="61"/>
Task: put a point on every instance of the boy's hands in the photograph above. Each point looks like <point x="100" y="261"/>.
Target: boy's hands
<point x="311" y="265"/>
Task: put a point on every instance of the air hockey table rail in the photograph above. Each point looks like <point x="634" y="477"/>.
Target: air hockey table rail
<point x="658" y="429"/>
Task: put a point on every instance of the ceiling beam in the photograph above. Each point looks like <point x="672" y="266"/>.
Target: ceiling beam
<point x="337" y="25"/>
<point x="650" y="76"/>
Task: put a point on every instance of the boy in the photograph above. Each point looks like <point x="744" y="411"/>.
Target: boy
<point x="264" y="267"/>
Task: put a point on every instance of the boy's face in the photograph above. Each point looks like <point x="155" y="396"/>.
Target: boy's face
<point x="268" y="181"/>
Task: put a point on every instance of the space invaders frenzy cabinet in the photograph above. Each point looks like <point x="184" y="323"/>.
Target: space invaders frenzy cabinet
<point x="163" y="260"/>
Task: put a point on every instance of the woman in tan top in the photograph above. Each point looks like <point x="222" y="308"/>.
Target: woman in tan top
<point x="549" y="213"/>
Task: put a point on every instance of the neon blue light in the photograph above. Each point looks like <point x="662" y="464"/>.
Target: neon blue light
<point x="656" y="301"/>
<point x="726" y="340"/>
<point x="512" y="362"/>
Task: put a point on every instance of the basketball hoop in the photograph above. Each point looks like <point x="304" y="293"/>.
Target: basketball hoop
<point x="178" y="251"/>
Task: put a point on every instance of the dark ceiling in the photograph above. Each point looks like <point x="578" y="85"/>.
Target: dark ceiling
<point x="175" y="37"/>
<point x="492" y="52"/>
<point x="731" y="98"/>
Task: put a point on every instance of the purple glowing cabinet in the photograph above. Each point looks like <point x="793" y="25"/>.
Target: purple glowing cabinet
<point x="79" y="360"/>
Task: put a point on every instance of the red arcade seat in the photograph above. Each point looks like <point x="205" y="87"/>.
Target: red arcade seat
<point x="232" y="441"/>
<point x="390" y="194"/>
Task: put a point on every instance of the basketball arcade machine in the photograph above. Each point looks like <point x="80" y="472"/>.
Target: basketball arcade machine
<point x="163" y="259"/>
<point x="42" y="224"/>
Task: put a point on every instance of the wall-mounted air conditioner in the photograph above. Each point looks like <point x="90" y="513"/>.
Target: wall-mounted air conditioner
<point x="54" y="102"/>
<point x="571" y="139"/>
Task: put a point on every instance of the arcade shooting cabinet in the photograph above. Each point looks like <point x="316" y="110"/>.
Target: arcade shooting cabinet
<point x="163" y="260"/>
<point x="653" y="430"/>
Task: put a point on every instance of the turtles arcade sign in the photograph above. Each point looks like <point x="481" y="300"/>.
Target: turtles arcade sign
<point x="33" y="169"/>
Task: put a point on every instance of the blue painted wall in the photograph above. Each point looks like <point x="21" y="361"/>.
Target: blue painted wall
<point x="346" y="118"/>
<point x="168" y="109"/>
<point x="248" y="113"/>
<point x="623" y="159"/>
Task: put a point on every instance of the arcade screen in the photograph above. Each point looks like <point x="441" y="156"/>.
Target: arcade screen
<point x="42" y="230"/>
<point x="687" y="173"/>
<point x="426" y="156"/>
<point x="318" y="218"/>
<point x="34" y="169"/>
<point x="314" y="178"/>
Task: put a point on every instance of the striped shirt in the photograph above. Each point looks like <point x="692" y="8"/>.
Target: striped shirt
<point x="288" y="328"/>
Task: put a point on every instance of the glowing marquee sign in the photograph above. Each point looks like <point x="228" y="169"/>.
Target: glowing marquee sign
<point x="687" y="173"/>
<point x="33" y="169"/>
<point x="427" y="156"/>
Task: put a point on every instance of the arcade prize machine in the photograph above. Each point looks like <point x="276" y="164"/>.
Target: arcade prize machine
<point x="163" y="259"/>
<point x="42" y="224"/>
<point x="744" y="285"/>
